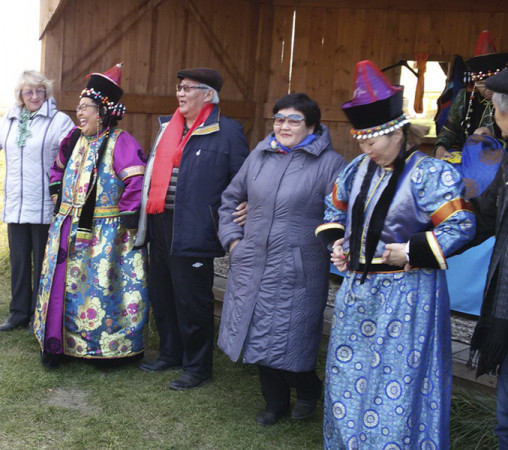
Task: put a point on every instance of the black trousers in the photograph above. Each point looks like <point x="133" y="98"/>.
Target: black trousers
<point x="276" y="386"/>
<point x="27" y="243"/>
<point x="181" y="295"/>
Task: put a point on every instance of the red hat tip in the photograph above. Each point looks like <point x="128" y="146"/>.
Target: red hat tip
<point x="485" y="44"/>
<point x="115" y="73"/>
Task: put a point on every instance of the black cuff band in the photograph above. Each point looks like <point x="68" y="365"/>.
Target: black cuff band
<point x="421" y="254"/>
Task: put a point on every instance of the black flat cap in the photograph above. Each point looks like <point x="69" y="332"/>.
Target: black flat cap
<point x="498" y="82"/>
<point x="203" y="75"/>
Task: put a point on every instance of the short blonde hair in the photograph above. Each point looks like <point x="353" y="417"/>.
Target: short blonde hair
<point x="32" y="78"/>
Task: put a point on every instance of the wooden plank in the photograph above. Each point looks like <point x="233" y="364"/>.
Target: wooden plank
<point x="325" y="78"/>
<point x="101" y="23"/>
<point x="64" y="57"/>
<point x="306" y="31"/>
<point x="344" y="57"/>
<point x="52" y="67"/>
<point x="158" y="37"/>
<point x="49" y="15"/>
<point x="247" y="32"/>
<point x="491" y="6"/>
<point x="217" y="47"/>
<point x="80" y="18"/>
<point x="260" y="70"/>
<point x="109" y="35"/>
<point x="281" y="48"/>
<point x="136" y="51"/>
<point x="167" y="51"/>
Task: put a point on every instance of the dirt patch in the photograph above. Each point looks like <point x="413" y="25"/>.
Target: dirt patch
<point x="70" y="398"/>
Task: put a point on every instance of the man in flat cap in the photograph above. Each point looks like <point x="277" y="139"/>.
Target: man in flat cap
<point x="196" y="154"/>
<point x="489" y="344"/>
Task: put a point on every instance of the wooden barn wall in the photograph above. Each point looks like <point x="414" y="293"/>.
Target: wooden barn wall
<point x="328" y="41"/>
<point x="250" y="42"/>
<point x="154" y="39"/>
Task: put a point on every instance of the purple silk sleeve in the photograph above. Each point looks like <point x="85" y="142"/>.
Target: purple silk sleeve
<point x="129" y="164"/>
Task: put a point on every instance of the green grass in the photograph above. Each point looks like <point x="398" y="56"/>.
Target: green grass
<point x="472" y="420"/>
<point x="80" y="406"/>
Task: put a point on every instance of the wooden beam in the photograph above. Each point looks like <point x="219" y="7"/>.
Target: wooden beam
<point x="50" y="10"/>
<point x="219" y="50"/>
<point x="53" y="68"/>
<point x="160" y="104"/>
<point x="261" y="2"/>
<point x="493" y="6"/>
<point x="97" y="50"/>
<point x="261" y="68"/>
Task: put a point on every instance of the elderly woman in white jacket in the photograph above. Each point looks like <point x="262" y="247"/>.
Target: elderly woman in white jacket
<point x="30" y="135"/>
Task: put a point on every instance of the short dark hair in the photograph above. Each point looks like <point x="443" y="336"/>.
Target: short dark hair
<point x="303" y="103"/>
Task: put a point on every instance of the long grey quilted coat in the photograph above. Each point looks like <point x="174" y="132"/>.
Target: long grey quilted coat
<point x="278" y="277"/>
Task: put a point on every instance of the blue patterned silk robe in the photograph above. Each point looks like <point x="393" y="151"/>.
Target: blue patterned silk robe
<point x="389" y="366"/>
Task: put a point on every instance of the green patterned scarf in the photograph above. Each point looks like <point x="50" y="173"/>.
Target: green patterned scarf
<point x="23" y="130"/>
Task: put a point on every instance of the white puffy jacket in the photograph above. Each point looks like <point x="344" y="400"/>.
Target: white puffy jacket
<point x="26" y="186"/>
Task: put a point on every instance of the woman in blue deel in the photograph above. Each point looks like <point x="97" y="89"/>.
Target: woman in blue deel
<point x="393" y="217"/>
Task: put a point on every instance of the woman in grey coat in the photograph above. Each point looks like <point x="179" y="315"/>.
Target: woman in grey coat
<point x="278" y="278"/>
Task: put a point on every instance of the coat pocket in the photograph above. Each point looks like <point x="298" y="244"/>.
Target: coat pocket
<point x="300" y="274"/>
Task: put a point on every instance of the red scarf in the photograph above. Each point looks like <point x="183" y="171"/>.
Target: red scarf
<point x="168" y="155"/>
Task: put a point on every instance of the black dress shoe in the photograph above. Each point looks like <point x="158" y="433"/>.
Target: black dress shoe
<point x="50" y="360"/>
<point x="9" y="326"/>
<point x="268" y="417"/>
<point x="188" y="381"/>
<point x="157" y="366"/>
<point x="303" y="409"/>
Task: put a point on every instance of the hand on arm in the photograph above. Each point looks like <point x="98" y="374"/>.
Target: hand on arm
<point x="395" y="255"/>
<point x="240" y="213"/>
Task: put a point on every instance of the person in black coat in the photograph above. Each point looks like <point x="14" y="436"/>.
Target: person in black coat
<point x="196" y="154"/>
<point x="489" y="344"/>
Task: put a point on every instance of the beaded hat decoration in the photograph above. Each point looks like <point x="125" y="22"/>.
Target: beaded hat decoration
<point x="380" y="130"/>
<point x="376" y="107"/>
<point x="486" y="61"/>
<point x="105" y="88"/>
<point x="483" y="65"/>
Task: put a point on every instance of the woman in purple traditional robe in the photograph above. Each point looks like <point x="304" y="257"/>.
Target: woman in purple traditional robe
<point x="93" y="295"/>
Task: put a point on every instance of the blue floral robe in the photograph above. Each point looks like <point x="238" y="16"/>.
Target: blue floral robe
<point x="389" y="367"/>
<point x="93" y="296"/>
